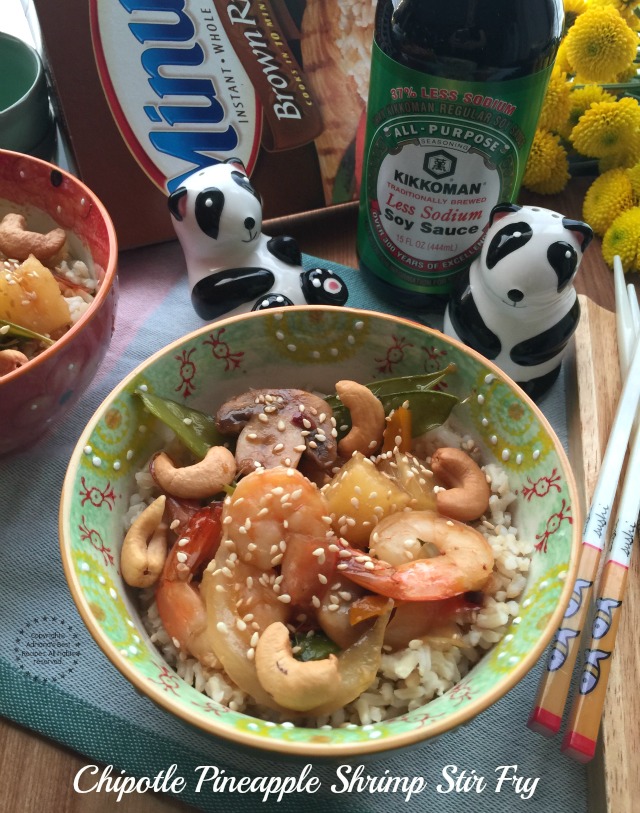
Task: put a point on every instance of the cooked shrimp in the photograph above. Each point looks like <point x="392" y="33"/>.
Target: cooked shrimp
<point x="465" y="563"/>
<point x="268" y="507"/>
<point x="180" y="606"/>
<point x="274" y="517"/>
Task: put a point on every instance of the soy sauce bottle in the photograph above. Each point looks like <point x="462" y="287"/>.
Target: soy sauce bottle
<point x="455" y="94"/>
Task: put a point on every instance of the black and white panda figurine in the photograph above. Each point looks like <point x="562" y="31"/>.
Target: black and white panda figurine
<point x="233" y="267"/>
<point x="517" y="306"/>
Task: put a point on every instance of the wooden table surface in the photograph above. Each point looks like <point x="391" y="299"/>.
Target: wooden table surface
<point x="37" y="774"/>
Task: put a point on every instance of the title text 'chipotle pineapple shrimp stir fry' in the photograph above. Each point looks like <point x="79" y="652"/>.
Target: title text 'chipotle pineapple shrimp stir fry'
<point x="324" y="574"/>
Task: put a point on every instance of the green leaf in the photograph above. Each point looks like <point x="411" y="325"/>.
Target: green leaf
<point x="196" y="429"/>
<point x="429" y="407"/>
<point x="314" y="648"/>
<point x="23" y="333"/>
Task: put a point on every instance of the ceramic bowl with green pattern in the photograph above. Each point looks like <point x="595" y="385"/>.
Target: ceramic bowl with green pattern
<point x="312" y="348"/>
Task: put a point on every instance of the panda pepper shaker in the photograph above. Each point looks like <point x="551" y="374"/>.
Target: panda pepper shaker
<point x="518" y="306"/>
<point x="232" y="266"/>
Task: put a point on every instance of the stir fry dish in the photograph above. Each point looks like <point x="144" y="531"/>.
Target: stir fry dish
<point x="328" y="560"/>
<point x="43" y="291"/>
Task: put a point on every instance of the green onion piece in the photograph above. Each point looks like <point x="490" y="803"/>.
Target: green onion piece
<point x="24" y="333"/>
<point x="314" y="648"/>
<point x="197" y="430"/>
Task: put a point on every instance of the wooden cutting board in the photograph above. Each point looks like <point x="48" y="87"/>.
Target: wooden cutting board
<point x="592" y="396"/>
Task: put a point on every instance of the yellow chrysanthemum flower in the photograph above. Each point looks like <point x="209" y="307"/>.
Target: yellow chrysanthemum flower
<point x="556" y="104"/>
<point x="600" y="45"/>
<point x="607" y="197"/>
<point x="625" y="157"/>
<point x="572" y="10"/>
<point x="627" y="75"/>
<point x="623" y="238"/>
<point x="580" y="100"/>
<point x="562" y="60"/>
<point x="625" y="8"/>
<point x="634" y="178"/>
<point x="547" y="169"/>
<point x="607" y="128"/>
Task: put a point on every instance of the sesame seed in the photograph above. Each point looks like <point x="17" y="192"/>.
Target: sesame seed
<point x="322" y="578"/>
<point x="262" y="417"/>
<point x="342" y="566"/>
<point x="315" y="601"/>
<point x="251" y="653"/>
<point x="222" y="627"/>
<point x="184" y="541"/>
<point x="285" y="598"/>
<point x="369" y="565"/>
<point x="254" y="639"/>
<point x="240" y="624"/>
<point x="181" y="556"/>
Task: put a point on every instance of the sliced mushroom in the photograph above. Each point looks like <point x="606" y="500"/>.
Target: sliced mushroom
<point x="276" y="427"/>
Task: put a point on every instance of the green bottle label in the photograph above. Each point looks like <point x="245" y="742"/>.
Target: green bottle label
<point x="439" y="155"/>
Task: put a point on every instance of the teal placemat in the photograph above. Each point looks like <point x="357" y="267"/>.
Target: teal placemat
<point x="55" y="680"/>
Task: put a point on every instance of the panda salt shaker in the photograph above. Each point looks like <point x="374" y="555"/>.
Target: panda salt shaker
<point x="231" y="265"/>
<point x="518" y="306"/>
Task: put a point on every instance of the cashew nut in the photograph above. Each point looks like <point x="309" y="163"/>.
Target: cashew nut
<point x="10" y="360"/>
<point x="18" y="243"/>
<point x="144" y="549"/>
<point x="367" y="419"/>
<point x="467" y="491"/>
<point x="294" y="684"/>
<point x="203" y="479"/>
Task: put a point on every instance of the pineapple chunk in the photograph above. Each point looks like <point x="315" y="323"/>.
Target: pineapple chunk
<point x="359" y="496"/>
<point x="413" y="476"/>
<point x="30" y="297"/>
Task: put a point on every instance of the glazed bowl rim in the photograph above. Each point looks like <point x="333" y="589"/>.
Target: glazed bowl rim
<point x="289" y="748"/>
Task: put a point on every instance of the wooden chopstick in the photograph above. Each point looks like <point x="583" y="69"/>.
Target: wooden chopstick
<point x="546" y="716"/>
<point x="581" y="736"/>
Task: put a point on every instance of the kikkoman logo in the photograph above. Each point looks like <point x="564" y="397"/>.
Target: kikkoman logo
<point x="439" y="164"/>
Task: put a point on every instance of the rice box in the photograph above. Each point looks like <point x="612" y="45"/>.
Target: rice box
<point x="150" y="90"/>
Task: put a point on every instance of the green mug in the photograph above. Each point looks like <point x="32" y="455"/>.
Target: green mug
<point x="26" y="120"/>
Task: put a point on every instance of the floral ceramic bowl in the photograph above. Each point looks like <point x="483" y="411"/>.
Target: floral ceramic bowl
<point x="35" y="396"/>
<point x="311" y="347"/>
